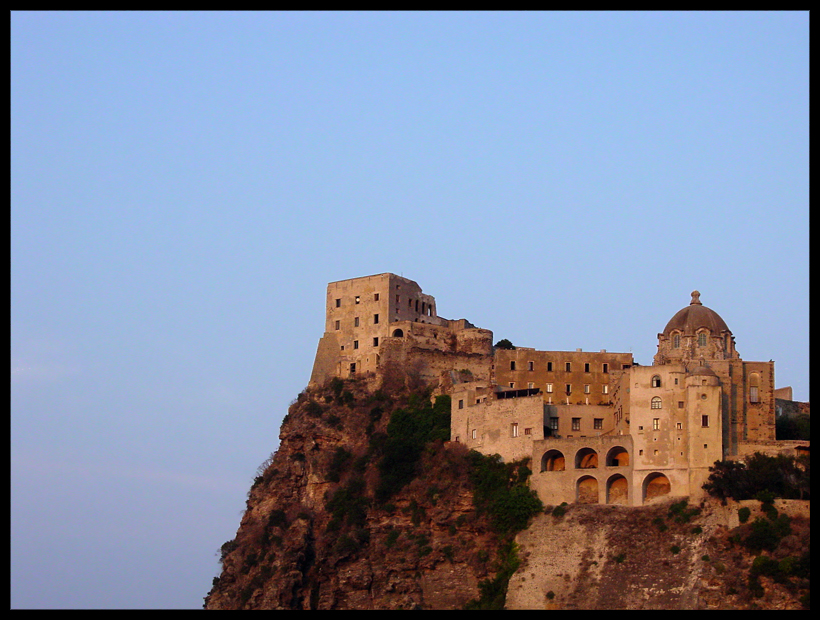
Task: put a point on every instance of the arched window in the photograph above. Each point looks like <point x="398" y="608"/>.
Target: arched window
<point x="656" y="381"/>
<point x="676" y="340"/>
<point x="656" y="402"/>
<point x="754" y="388"/>
<point x="702" y="339"/>
<point x="397" y="333"/>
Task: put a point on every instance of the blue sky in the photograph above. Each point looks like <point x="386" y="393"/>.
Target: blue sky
<point x="184" y="186"/>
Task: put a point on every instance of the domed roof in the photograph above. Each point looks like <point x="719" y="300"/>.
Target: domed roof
<point x="704" y="370"/>
<point x="694" y="316"/>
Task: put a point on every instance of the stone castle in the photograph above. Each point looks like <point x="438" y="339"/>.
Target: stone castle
<point x="597" y="427"/>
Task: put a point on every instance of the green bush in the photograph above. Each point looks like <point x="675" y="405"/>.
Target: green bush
<point x="743" y="514"/>
<point x="777" y="476"/>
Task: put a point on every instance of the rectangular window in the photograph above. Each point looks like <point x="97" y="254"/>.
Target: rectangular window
<point x="375" y="297"/>
<point x="704" y="420"/>
<point x="606" y="367"/>
<point x="461" y="404"/>
<point x="375" y="341"/>
<point x="512" y="365"/>
<point x="680" y="404"/>
<point x="530" y="365"/>
<point x="549" y="388"/>
<point x="338" y="325"/>
<point x="568" y="388"/>
<point x="656" y="424"/>
<point x="530" y="385"/>
<point x="587" y="387"/>
<point x="598" y="423"/>
<point x="512" y="384"/>
<point x="375" y="319"/>
<point x="355" y="344"/>
<point x="576" y="424"/>
<point x="338" y="303"/>
<point x="358" y="299"/>
<point x="569" y="366"/>
<point x="586" y="367"/>
<point x="549" y="366"/>
<point x="355" y="321"/>
<point x="554" y="424"/>
<point x="514" y="429"/>
<point x="474" y="433"/>
<point x="679" y="426"/>
<point x="754" y="394"/>
<point x="528" y="431"/>
<point x="352" y="368"/>
<point x="605" y="389"/>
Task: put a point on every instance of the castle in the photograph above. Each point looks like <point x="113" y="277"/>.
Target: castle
<point x="597" y="427"/>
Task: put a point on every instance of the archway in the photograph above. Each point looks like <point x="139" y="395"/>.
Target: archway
<point x="586" y="491"/>
<point x="617" y="490"/>
<point x="655" y="485"/>
<point x="586" y="458"/>
<point x="617" y="457"/>
<point x="553" y="460"/>
<point x="397" y="333"/>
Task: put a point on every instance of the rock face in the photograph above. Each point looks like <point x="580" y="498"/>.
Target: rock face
<point x="313" y="535"/>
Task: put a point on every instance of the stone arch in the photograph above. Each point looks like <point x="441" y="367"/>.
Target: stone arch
<point x="586" y="490"/>
<point x="398" y="333"/>
<point x="586" y="458"/>
<point x="617" y="457"/>
<point x="553" y="460"/>
<point x="617" y="490"/>
<point x="655" y="485"/>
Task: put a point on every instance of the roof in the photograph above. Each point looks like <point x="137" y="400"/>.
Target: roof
<point x="695" y="316"/>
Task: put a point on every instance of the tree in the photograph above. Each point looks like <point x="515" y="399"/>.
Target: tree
<point x="504" y="344"/>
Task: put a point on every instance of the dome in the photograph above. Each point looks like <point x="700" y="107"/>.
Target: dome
<point x="704" y="370"/>
<point x="693" y="317"/>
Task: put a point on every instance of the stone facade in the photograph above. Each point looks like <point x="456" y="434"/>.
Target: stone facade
<point x="596" y="427"/>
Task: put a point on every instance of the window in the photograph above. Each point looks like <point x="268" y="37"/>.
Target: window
<point x="586" y="367"/>
<point x="512" y="365"/>
<point x="754" y="388"/>
<point x="704" y="421"/>
<point x="586" y="388"/>
<point x="338" y="303"/>
<point x="554" y="424"/>
<point x="358" y="299"/>
<point x="676" y="340"/>
<point x="514" y="429"/>
<point x="568" y="388"/>
<point x="528" y="431"/>
<point x="461" y="404"/>
<point x="656" y="403"/>
<point x="680" y="404"/>
<point x="375" y="319"/>
<point x="576" y="424"/>
<point x="549" y="366"/>
<point x="530" y="366"/>
<point x="702" y="339"/>
<point x="679" y="426"/>
<point x="549" y="388"/>
<point x="355" y="321"/>
<point x="352" y="368"/>
<point x="530" y="385"/>
<point x="375" y="297"/>
<point x="598" y="423"/>
<point x="512" y="384"/>
<point x="656" y="424"/>
<point x="355" y="344"/>
<point x="375" y="341"/>
<point x="605" y="389"/>
<point x="474" y="434"/>
<point x="606" y="368"/>
<point x="338" y="325"/>
<point x="656" y="381"/>
<point x="569" y="367"/>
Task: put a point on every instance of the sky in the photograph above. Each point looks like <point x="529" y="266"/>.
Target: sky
<point x="185" y="185"/>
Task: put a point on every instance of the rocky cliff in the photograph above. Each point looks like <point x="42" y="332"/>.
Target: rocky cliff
<point x="331" y="524"/>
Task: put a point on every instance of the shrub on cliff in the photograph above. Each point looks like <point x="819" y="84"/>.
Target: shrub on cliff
<point x="783" y="476"/>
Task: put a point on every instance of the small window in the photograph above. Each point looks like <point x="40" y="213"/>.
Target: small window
<point x="656" y="381"/>
<point x="679" y="426"/>
<point x="514" y="429"/>
<point x="352" y="368"/>
<point x="676" y="340"/>
<point x="338" y="325"/>
<point x="549" y="366"/>
<point x="576" y="424"/>
<point x="375" y="341"/>
<point x="587" y="388"/>
<point x="375" y="297"/>
<point x="606" y="368"/>
<point x="474" y="433"/>
<point x="680" y="404"/>
<point x="512" y="384"/>
<point x="355" y="321"/>
<point x="338" y="303"/>
<point x="754" y="388"/>
<point x="704" y="421"/>
<point x="568" y="388"/>
<point x="598" y="423"/>
<point x="375" y="319"/>
<point x="530" y="385"/>
<point x="554" y="424"/>
<point x="461" y="404"/>
<point x="530" y="366"/>
<point x="656" y="424"/>
<point x="512" y="365"/>
<point x="702" y="339"/>
<point x="656" y="403"/>
<point x="605" y="389"/>
<point x="355" y="344"/>
<point x="528" y="431"/>
<point x="586" y="367"/>
<point x="549" y="388"/>
<point x="569" y="366"/>
<point x="358" y="299"/>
